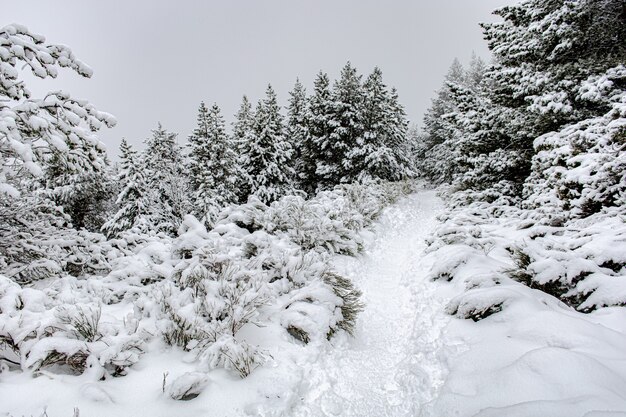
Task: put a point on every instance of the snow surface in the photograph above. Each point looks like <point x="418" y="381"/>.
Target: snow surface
<point x="391" y="367"/>
<point x="410" y="355"/>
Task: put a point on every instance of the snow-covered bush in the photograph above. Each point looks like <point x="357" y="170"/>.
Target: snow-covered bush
<point x="262" y="265"/>
<point x="38" y="243"/>
<point x="40" y="329"/>
<point x="582" y="168"/>
<point x="579" y="261"/>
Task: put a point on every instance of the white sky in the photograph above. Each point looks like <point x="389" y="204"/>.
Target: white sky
<point x="155" y="60"/>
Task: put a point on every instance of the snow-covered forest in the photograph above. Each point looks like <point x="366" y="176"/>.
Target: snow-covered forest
<point x="322" y="256"/>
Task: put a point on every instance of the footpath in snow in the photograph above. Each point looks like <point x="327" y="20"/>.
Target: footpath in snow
<point x="391" y="367"/>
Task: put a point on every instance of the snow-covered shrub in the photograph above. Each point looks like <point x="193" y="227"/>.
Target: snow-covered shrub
<point x="579" y="261"/>
<point x="582" y="168"/>
<point x="187" y="386"/>
<point x="37" y="243"/>
<point x="263" y="264"/>
<point x="41" y="330"/>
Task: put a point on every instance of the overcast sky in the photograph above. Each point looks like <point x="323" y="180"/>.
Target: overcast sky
<point x="155" y="60"/>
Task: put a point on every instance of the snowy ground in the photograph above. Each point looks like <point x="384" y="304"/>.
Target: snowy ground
<point x="391" y="368"/>
<point x="537" y="357"/>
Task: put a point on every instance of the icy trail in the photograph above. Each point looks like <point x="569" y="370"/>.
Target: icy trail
<point x="391" y="367"/>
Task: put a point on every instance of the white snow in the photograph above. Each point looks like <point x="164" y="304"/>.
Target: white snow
<point x="413" y="354"/>
<point x="391" y="367"/>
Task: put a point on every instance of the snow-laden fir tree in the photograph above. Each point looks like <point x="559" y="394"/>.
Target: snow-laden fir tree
<point x="297" y="131"/>
<point x="347" y="128"/>
<point x="435" y="126"/>
<point x="243" y="137"/>
<point x="166" y="181"/>
<point x="382" y="151"/>
<point x="35" y="131"/>
<point x="87" y="197"/>
<point x="133" y="199"/>
<point x="317" y="145"/>
<point x="35" y="239"/>
<point x="269" y="153"/>
<point x="212" y="165"/>
<point x="440" y="132"/>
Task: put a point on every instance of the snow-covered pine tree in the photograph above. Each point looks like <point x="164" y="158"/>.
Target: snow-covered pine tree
<point x="297" y="131"/>
<point x="267" y="163"/>
<point x="543" y="52"/>
<point x="435" y="125"/>
<point x="436" y="159"/>
<point x="212" y="165"/>
<point x="397" y="134"/>
<point x="243" y="138"/>
<point x="317" y="147"/>
<point x="347" y="128"/>
<point x="133" y="199"/>
<point x="87" y="197"/>
<point x="383" y="152"/>
<point x="33" y="134"/>
<point x="64" y="126"/>
<point x="166" y="181"/>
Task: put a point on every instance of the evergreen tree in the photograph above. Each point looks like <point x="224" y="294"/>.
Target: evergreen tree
<point x="297" y="130"/>
<point x="267" y="163"/>
<point x="57" y="122"/>
<point x="133" y="198"/>
<point x="243" y="137"/>
<point x="436" y="127"/>
<point x="371" y="153"/>
<point x="166" y="180"/>
<point x="398" y="140"/>
<point x="212" y="164"/>
<point x="347" y="129"/>
<point x="317" y="148"/>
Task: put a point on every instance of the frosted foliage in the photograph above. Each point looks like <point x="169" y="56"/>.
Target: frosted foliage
<point x="269" y="152"/>
<point x="212" y="165"/>
<point x="33" y="130"/>
<point x="262" y="265"/>
<point x="82" y="305"/>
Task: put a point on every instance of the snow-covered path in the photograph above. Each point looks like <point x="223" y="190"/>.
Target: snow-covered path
<point x="391" y="367"/>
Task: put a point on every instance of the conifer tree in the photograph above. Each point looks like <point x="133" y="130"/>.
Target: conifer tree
<point x="132" y="200"/>
<point x="297" y="130"/>
<point x="243" y="138"/>
<point x="347" y="128"/>
<point x="57" y="121"/>
<point x="166" y="180"/>
<point x="212" y="165"/>
<point x="438" y="128"/>
<point x="398" y="139"/>
<point x="317" y="147"/>
<point x="267" y="163"/>
<point x="384" y="150"/>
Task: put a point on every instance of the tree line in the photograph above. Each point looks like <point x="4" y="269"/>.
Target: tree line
<point x="352" y="131"/>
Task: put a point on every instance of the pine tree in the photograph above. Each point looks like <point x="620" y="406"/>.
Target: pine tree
<point x="436" y="127"/>
<point x="212" y="164"/>
<point x="347" y="128"/>
<point x="243" y="138"/>
<point x="133" y="198"/>
<point x="384" y="152"/>
<point x="317" y="148"/>
<point x="267" y="163"/>
<point x="57" y="121"/>
<point x="397" y="134"/>
<point x="297" y="130"/>
<point x="166" y="180"/>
